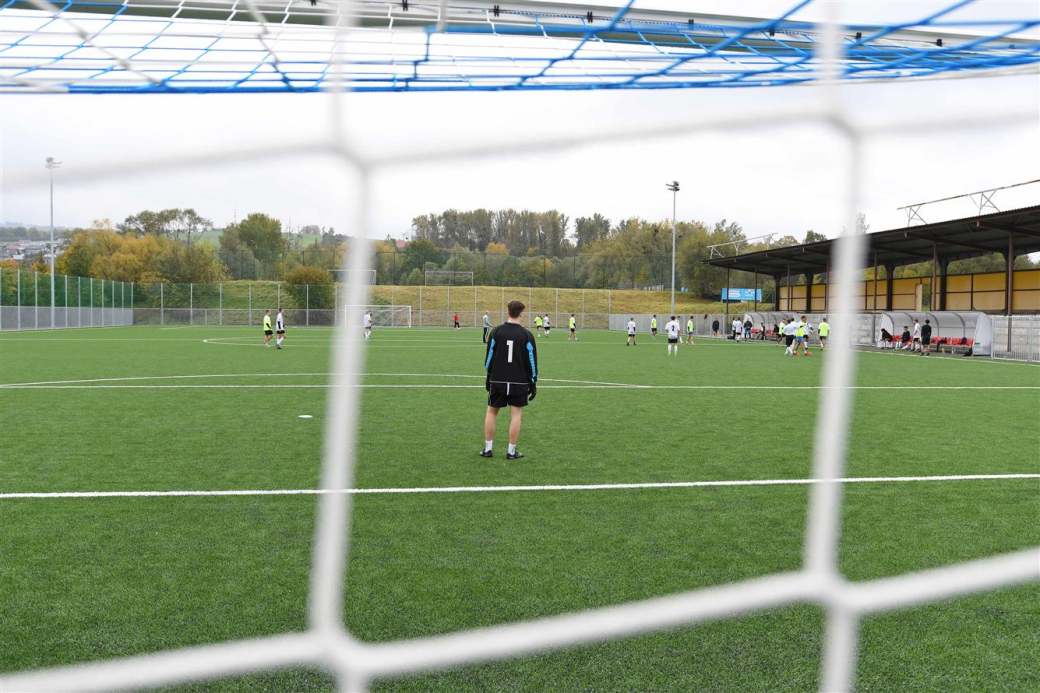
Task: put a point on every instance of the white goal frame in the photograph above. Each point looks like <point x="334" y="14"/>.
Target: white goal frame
<point x="327" y="644"/>
<point x="452" y="276"/>
<point x="342" y="276"/>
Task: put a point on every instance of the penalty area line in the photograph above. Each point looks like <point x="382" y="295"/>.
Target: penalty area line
<point x="500" y="489"/>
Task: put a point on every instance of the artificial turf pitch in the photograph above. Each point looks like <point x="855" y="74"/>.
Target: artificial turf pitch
<point x="93" y="578"/>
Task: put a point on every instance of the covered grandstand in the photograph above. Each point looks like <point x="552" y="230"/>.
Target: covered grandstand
<point x="1011" y="234"/>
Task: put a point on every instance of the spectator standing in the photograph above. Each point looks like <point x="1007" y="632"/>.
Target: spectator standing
<point x="926" y="338"/>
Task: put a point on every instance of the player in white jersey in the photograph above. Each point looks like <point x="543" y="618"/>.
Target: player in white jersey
<point x="672" y="329"/>
<point x="279" y="328"/>
<point x="789" y="331"/>
<point x="368" y="324"/>
<point x="631" y="332"/>
<point x="916" y="336"/>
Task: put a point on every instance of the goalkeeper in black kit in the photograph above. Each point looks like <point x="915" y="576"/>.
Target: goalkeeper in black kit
<point x="511" y="363"/>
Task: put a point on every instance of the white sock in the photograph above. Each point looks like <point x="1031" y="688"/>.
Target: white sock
<point x="488" y="444"/>
<point x="512" y="448"/>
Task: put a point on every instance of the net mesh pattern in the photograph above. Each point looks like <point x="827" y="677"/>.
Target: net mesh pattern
<point x="327" y="643"/>
<point x="115" y="46"/>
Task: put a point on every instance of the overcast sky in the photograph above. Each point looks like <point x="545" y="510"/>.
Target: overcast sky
<point x="780" y="180"/>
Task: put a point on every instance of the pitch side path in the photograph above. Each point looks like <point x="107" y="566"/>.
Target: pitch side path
<point x="158" y="490"/>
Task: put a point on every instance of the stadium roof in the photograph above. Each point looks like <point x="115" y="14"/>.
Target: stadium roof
<point x="957" y="239"/>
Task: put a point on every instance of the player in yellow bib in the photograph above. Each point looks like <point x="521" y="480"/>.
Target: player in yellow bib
<point x="573" y="324"/>
<point x="537" y="324"/>
<point x="801" y="338"/>
<point x="825" y="329"/>
<point x="268" y="331"/>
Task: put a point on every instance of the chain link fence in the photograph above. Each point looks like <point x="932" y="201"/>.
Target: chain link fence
<point x="25" y="301"/>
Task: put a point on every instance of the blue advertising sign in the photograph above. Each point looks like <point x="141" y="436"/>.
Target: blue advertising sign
<point x="742" y="294"/>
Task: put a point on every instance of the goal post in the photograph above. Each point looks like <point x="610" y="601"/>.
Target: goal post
<point x="448" y="278"/>
<point x="382" y="316"/>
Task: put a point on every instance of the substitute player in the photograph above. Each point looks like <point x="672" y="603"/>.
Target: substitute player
<point x="631" y="332"/>
<point x="672" y="329"/>
<point x="573" y="324"/>
<point x="512" y="376"/>
<point x="368" y="325"/>
<point x="279" y="328"/>
<point x="267" y="328"/>
<point x="456" y="327"/>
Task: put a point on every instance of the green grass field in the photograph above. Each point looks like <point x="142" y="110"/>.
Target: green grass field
<point x="153" y="409"/>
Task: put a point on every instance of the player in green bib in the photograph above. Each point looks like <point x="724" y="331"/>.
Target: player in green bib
<point x="537" y="324"/>
<point x="653" y="327"/>
<point x="689" y="331"/>
<point x="268" y="332"/>
<point x="800" y="338"/>
<point x="825" y="330"/>
<point x="573" y="325"/>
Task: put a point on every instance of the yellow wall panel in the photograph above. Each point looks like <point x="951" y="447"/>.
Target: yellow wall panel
<point x="904" y="302"/>
<point x="958" y="282"/>
<point x="994" y="281"/>
<point x="958" y="302"/>
<point x="1026" y="279"/>
<point x="1027" y="300"/>
<point x="990" y="300"/>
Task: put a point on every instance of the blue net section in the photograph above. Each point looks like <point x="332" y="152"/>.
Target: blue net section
<point x="311" y="45"/>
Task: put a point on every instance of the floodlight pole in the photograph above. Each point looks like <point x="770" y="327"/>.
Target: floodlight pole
<point x="51" y="165"/>
<point x="674" y="187"/>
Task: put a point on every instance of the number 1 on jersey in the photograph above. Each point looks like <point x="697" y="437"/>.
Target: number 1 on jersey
<point x="509" y="351"/>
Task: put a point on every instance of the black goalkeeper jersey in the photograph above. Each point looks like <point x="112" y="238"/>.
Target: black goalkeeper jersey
<point x="511" y="355"/>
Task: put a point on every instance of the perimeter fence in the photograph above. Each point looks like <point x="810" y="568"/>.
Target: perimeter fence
<point x="25" y="301"/>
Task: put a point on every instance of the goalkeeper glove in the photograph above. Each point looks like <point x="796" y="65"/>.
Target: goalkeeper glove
<point x="532" y="390"/>
<point x="487" y="382"/>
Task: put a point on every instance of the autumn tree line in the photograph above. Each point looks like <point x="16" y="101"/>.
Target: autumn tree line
<point x="500" y="248"/>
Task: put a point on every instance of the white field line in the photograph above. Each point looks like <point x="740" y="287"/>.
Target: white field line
<point x="499" y="489"/>
<point x="289" y="375"/>
<point x="421" y="386"/>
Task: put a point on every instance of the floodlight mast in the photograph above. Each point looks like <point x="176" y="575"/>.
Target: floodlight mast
<point x="674" y="187"/>
<point x="51" y="165"/>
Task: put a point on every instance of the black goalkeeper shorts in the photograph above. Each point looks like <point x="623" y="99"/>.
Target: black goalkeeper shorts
<point x="507" y="394"/>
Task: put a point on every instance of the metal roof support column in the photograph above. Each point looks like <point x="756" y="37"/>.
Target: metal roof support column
<point x="777" y="278"/>
<point x="827" y="287"/>
<point x="808" y="291"/>
<point x="725" y="303"/>
<point x="789" y="308"/>
<point x="943" y="267"/>
<point x="874" y="307"/>
<point x="890" y="270"/>
<point x="933" y="293"/>
<point x="756" y="288"/>
<point x="1009" y="296"/>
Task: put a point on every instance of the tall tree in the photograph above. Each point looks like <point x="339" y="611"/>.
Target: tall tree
<point x="262" y="233"/>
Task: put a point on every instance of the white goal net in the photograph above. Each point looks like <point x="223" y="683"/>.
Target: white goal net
<point x="382" y="316"/>
<point x="326" y="643"/>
